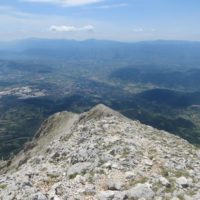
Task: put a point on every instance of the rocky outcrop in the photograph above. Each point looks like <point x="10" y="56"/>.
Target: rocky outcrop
<point x="102" y="155"/>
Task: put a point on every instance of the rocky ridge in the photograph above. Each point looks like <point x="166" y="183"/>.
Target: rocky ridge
<point x="101" y="155"/>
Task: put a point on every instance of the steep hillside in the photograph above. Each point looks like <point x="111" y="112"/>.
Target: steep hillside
<point x="101" y="155"/>
<point x="169" y="77"/>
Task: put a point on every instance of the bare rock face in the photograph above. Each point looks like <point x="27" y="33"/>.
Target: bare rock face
<point x="101" y="155"/>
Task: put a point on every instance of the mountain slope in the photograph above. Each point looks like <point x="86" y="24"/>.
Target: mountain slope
<point x="102" y="155"/>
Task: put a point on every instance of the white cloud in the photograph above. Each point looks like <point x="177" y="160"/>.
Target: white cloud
<point x="89" y="28"/>
<point x="140" y="30"/>
<point x="113" y="6"/>
<point x="65" y="2"/>
<point x="63" y="28"/>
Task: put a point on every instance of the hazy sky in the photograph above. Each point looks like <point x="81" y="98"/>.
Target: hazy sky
<point x="125" y="20"/>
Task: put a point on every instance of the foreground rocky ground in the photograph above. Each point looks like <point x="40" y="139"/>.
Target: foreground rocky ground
<point x="102" y="155"/>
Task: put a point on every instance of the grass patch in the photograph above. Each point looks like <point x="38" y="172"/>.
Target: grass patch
<point x="3" y="186"/>
<point x="72" y="176"/>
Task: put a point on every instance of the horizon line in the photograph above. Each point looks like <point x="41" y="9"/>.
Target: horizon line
<point x="94" y="39"/>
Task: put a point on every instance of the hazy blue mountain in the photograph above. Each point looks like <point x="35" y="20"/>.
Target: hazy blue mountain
<point x="167" y="52"/>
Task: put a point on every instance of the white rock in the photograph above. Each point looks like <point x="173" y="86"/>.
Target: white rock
<point x="107" y="165"/>
<point x="175" y="198"/>
<point x="115" y="166"/>
<point x="129" y="175"/>
<point x="38" y="196"/>
<point x="78" y="168"/>
<point x="164" y="181"/>
<point x="114" y="184"/>
<point x="141" y="191"/>
<point x="148" y="162"/>
<point x="105" y="195"/>
<point x="120" y="196"/>
<point x="182" y="181"/>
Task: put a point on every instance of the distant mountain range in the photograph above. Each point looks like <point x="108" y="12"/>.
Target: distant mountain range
<point x="157" y="51"/>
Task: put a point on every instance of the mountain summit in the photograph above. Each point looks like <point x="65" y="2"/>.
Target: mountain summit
<point x="101" y="155"/>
